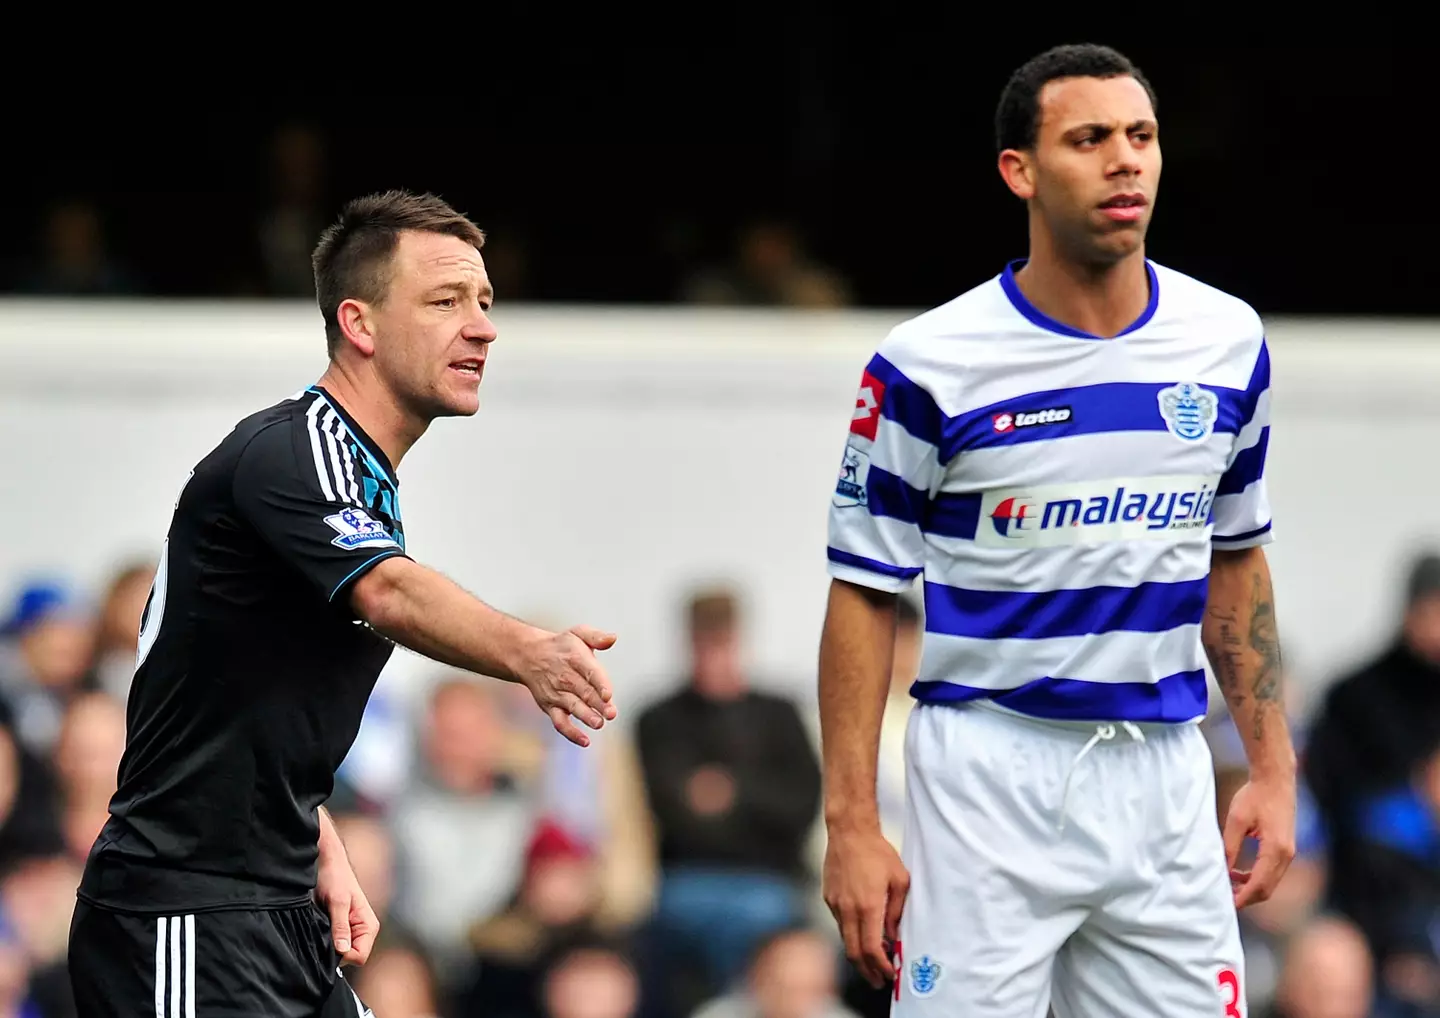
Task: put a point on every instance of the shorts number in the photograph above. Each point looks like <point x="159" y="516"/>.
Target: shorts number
<point x="1230" y="986"/>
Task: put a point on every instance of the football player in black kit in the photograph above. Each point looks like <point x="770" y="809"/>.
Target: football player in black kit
<point x="218" y="885"/>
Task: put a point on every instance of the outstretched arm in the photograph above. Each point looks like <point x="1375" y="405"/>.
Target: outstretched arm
<point x="1243" y="645"/>
<point x="420" y="609"/>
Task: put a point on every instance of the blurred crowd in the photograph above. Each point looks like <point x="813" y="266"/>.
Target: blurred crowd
<point x="77" y="252"/>
<point x="671" y="870"/>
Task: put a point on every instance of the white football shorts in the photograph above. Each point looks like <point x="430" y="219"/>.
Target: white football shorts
<point x="1078" y="866"/>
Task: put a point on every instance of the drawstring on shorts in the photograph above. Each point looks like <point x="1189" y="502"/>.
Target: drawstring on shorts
<point x="1103" y="733"/>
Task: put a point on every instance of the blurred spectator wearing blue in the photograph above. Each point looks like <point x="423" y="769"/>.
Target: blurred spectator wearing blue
<point x="47" y="647"/>
<point x="733" y="782"/>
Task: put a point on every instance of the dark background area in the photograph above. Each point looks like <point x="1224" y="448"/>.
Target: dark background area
<point x="1294" y="174"/>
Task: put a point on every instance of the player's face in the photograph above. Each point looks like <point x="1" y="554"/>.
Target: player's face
<point x="1095" y="169"/>
<point x="433" y="330"/>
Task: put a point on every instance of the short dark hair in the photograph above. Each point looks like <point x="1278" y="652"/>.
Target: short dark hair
<point x="1017" y="117"/>
<point x="353" y="255"/>
<point x="712" y="610"/>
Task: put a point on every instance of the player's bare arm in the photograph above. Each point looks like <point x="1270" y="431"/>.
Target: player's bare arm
<point x="353" y="923"/>
<point x="420" y="609"/>
<point x="865" y="882"/>
<point x="1243" y="645"/>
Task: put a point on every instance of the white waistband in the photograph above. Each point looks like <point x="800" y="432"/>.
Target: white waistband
<point x="1080" y="729"/>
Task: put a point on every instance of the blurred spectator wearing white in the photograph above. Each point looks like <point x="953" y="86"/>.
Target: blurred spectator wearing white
<point x="461" y="826"/>
<point x="733" y="782"/>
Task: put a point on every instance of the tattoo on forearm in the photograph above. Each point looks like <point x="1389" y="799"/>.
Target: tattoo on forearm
<point x="1231" y="643"/>
<point x="1265" y="642"/>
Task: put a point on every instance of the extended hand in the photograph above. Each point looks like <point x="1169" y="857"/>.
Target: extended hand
<point x="353" y="923"/>
<point x="565" y="678"/>
<point x="1262" y="809"/>
<point x="865" y="885"/>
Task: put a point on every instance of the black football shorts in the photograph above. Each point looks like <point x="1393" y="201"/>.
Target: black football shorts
<point x="277" y="963"/>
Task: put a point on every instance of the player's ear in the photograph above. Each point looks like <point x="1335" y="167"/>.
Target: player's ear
<point x="1017" y="169"/>
<point x="357" y="325"/>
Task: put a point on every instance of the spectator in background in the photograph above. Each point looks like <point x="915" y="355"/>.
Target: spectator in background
<point x="16" y="998"/>
<point x="46" y="652"/>
<point x="36" y="900"/>
<point x="291" y="223"/>
<point x="398" y="982"/>
<point x="771" y="269"/>
<point x="74" y="259"/>
<point x="733" y="782"/>
<point x="794" y="975"/>
<point x="555" y="906"/>
<point x="86" y="762"/>
<point x="1375" y="728"/>
<point x="29" y="824"/>
<point x="118" y="635"/>
<point x="1327" y="974"/>
<point x="460" y="827"/>
<point x="590" y="980"/>
<point x="1394" y="896"/>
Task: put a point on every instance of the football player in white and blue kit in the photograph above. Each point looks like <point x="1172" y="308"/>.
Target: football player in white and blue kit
<point x="1071" y="459"/>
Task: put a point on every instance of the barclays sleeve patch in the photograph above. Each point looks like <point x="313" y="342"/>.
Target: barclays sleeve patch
<point x="357" y="529"/>
<point x="850" y="486"/>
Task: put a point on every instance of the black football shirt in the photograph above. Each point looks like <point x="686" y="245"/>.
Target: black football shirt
<point x="253" y="671"/>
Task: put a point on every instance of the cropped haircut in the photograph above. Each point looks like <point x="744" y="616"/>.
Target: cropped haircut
<point x="352" y="259"/>
<point x="1017" y="117"/>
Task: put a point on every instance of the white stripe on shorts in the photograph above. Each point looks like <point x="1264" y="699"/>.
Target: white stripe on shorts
<point x="174" y="966"/>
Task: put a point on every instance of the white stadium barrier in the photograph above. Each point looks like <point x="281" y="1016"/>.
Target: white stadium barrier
<point x="621" y="454"/>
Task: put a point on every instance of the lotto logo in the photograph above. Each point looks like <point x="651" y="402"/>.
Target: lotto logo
<point x="1009" y="422"/>
<point x="865" y="421"/>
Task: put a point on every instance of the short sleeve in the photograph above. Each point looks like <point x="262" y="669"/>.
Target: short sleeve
<point x="888" y="472"/>
<point x="1242" y="502"/>
<point x="312" y="524"/>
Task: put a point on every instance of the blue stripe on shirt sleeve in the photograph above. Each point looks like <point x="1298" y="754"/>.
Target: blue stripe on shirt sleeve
<point x="906" y="403"/>
<point x="1248" y="467"/>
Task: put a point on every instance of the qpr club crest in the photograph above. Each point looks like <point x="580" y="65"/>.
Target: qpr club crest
<point x="1189" y="410"/>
